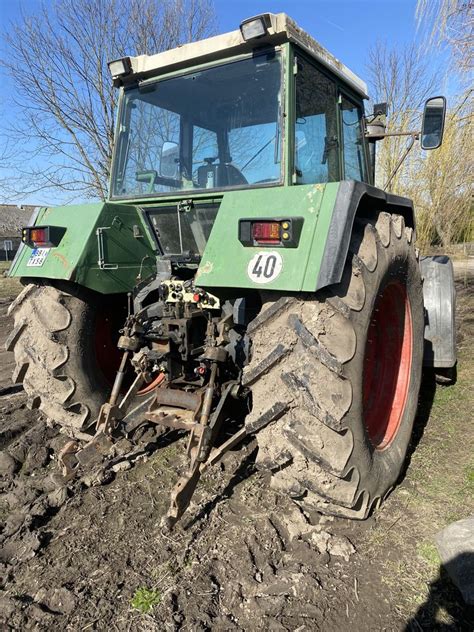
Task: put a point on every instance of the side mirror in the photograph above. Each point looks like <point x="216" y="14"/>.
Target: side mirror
<point x="169" y="160"/>
<point x="433" y="123"/>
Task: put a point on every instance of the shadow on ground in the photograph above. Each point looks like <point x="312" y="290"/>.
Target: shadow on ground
<point x="445" y="599"/>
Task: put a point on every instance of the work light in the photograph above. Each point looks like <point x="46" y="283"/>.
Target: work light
<point x="120" y="67"/>
<point x="255" y="27"/>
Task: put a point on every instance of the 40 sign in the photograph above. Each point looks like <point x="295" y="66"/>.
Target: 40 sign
<point x="265" y="266"/>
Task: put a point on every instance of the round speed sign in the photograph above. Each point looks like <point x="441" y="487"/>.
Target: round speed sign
<point x="265" y="266"/>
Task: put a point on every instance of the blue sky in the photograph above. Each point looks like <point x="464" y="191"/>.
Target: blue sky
<point x="347" y="28"/>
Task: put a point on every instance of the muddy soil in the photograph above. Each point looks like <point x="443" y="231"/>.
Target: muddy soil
<point x="244" y="558"/>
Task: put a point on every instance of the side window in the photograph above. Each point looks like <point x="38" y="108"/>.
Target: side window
<point x="353" y="141"/>
<point x="316" y="144"/>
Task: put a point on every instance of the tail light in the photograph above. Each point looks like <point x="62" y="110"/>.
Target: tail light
<point x="42" y="236"/>
<point x="283" y="233"/>
<point x="266" y="232"/>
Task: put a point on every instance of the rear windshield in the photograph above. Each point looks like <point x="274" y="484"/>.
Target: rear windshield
<point x="212" y="129"/>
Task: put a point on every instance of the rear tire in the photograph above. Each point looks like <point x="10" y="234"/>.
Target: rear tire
<point x="64" y="356"/>
<point x="338" y="374"/>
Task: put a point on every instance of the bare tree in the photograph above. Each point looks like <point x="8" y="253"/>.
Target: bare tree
<point x="439" y="181"/>
<point x="57" y="60"/>
<point x="449" y="22"/>
<point x="404" y="79"/>
<point x="443" y="179"/>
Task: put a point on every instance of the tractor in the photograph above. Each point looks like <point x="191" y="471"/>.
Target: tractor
<point x="244" y="278"/>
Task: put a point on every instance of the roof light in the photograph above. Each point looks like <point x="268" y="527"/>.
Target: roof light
<point x="255" y="27"/>
<point x="120" y="67"/>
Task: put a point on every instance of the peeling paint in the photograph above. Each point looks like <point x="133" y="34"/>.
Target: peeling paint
<point x="205" y="268"/>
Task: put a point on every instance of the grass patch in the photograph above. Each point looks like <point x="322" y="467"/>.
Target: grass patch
<point x="145" y="599"/>
<point x="428" y="552"/>
<point x="438" y="489"/>
<point x="470" y="478"/>
<point x="9" y="288"/>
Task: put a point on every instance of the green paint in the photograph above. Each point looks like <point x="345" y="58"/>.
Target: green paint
<point x="225" y="259"/>
<point x="76" y="257"/>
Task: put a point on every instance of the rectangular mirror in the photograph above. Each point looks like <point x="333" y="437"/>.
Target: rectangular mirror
<point x="433" y="123"/>
<point x="169" y="163"/>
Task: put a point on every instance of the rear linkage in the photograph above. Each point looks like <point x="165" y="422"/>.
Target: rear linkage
<point x="180" y="339"/>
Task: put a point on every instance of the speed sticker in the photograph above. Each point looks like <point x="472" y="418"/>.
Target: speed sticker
<point x="37" y="257"/>
<point x="265" y="266"/>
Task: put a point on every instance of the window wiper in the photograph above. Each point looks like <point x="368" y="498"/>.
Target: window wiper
<point x="258" y="153"/>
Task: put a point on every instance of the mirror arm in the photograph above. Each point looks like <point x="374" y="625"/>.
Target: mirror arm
<point x="414" y="136"/>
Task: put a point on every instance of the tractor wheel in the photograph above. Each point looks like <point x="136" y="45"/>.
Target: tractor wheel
<point x="338" y="374"/>
<point x="64" y="352"/>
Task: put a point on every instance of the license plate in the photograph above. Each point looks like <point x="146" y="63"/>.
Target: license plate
<point x="37" y="257"/>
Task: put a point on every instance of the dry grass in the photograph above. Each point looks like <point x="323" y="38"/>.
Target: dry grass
<point x="9" y="288"/>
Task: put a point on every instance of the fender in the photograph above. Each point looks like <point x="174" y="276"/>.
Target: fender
<point x="327" y="212"/>
<point x="439" y="297"/>
<point x="104" y="247"/>
<point x="352" y="199"/>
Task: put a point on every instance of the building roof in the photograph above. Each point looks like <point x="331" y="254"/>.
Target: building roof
<point x="12" y="219"/>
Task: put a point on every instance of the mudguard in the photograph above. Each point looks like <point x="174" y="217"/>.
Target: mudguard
<point x="327" y="213"/>
<point x="104" y="247"/>
<point x="439" y="296"/>
<point x="351" y="198"/>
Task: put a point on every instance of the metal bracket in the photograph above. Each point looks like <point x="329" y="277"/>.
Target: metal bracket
<point x="185" y="206"/>
<point x="103" y="265"/>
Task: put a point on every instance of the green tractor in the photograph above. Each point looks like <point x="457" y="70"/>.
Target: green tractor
<point x="245" y="276"/>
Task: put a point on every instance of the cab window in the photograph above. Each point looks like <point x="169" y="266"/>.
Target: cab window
<point x="316" y="141"/>
<point x="353" y="141"/>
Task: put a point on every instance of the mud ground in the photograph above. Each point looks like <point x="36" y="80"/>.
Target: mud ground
<point x="244" y="558"/>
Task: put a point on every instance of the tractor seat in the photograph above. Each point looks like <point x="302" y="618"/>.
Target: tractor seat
<point x="222" y="175"/>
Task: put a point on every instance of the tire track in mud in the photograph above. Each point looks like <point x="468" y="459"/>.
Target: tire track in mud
<point x="243" y="558"/>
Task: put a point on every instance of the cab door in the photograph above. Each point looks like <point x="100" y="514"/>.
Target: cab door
<point x="354" y="165"/>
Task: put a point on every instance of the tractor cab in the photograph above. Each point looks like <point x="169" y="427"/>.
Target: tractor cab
<point x="265" y="106"/>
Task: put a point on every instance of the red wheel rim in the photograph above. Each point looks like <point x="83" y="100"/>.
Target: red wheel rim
<point x="387" y="365"/>
<point x="108" y="356"/>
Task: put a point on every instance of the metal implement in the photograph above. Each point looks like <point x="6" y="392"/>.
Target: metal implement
<point x="201" y="379"/>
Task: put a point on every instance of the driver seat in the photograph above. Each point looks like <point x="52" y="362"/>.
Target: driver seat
<point x="221" y="175"/>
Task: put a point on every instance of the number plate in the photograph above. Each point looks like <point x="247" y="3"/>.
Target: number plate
<point x="265" y="266"/>
<point x="37" y="257"/>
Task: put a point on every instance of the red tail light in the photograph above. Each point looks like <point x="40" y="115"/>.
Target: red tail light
<point x="39" y="237"/>
<point x="266" y="232"/>
<point x="42" y="236"/>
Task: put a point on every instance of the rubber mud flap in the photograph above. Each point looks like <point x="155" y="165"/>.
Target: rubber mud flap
<point x="439" y="297"/>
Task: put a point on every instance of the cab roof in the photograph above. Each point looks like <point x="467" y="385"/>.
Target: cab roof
<point x="280" y="29"/>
